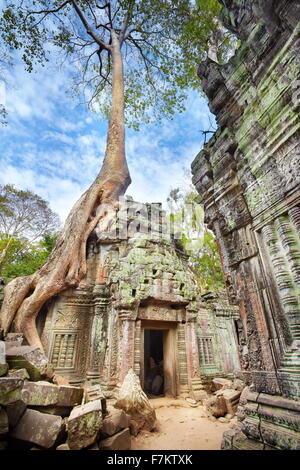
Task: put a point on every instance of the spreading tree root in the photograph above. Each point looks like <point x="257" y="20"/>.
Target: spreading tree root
<point x="66" y="266"/>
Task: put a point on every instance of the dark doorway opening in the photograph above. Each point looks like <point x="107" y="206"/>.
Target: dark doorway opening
<point x="154" y="362"/>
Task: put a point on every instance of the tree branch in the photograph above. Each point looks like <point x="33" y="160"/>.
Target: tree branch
<point x="88" y="28"/>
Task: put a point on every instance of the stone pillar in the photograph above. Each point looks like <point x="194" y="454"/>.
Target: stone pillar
<point x="193" y="358"/>
<point x="98" y="334"/>
<point x="127" y="344"/>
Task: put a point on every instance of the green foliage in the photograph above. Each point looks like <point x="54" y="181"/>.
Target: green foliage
<point x="162" y="41"/>
<point x="28" y="230"/>
<point x="188" y="218"/>
<point x="24" y="257"/>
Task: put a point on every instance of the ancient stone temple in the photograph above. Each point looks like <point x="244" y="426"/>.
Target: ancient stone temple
<point x="139" y="307"/>
<point x="248" y="177"/>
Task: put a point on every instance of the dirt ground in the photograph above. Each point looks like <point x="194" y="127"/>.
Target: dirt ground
<point x="181" y="427"/>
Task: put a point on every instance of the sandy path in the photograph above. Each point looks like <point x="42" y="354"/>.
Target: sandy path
<point x="181" y="427"/>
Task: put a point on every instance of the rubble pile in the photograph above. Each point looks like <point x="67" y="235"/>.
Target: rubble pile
<point x="40" y="410"/>
<point x="223" y="404"/>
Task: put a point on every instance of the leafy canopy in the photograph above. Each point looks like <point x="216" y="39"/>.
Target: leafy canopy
<point x="28" y="230"/>
<point x="162" y="43"/>
<point x="24" y="214"/>
<point x="199" y="242"/>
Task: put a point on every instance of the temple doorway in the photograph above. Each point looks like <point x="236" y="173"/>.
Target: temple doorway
<point x="159" y="370"/>
<point x="153" y="362"/>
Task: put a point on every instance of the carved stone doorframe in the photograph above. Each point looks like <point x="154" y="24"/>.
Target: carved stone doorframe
<point x="170" y="360"/>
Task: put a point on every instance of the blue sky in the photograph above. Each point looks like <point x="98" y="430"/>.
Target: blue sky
<point x="54" y="146"/>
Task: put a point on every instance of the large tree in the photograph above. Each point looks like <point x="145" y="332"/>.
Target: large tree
<point x="129" y="53"/>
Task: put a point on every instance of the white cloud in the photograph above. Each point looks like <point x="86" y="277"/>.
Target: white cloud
<point x="56" y="148"/>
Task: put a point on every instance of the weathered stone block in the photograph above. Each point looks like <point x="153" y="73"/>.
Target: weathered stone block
<point x="70" y="396"/>
<point x="114" y="422"/>
<point x="30" y="358"/>
<point x="39" y="428"/>
<point x="41" y="393"/>
<point x="84" y="425"/>
<point x="120" y="441"/>
<point x="3" y="363"/>
<point x="19" y="374"/>
<point x="94" y="392"/>
<point x="15" y="411"/>
<point x="10" y="390"/>
<point x="218" y="383"/>
<point x="231" y="398"/>
<point x="216" y="406"/>
<point x="3" y="423"/>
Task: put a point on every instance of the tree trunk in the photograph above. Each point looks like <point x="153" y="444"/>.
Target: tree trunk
<point x="66" y="265"/>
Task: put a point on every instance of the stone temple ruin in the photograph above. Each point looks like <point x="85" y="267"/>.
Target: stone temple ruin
<point x="138" y="310"/>
<point x="248" y="177"/>
<point x="140" y="303"/>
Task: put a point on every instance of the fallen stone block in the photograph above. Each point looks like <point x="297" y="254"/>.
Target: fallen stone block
<point x="3" y="423"/>
<point x="3" y="363"/>
<point x="216" y="406"/>
<point x="30" y="358"/>
<point x="231" y="398"/>
<point x="120" y="441"/>
<point x="15" y="411"/>
<point x="10" y="390"/>
<point x="53" y="399"/>
<point x="41" y="393"/>
<point x="19" y="374"/>
<point x="218" y="383"/>
<point x="84" y="424"/>
<point x="39" y="428"/>
<point x="94" y="392"/>
<point x="69" y="395"/>
<point x="114" y="422"/>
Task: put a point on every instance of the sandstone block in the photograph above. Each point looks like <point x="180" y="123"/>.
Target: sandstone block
<point x="39" y="428"/>
<point x="120" y="441"/>
<point x="231" y="398"/>
<point x="94" y="392"/>
<point x="41" y="393"/>
<point x="218" y="383"/>
<point x="69" y="395"/>
<point x="10" y="390"/>
<point x="19" y="374"/>
<point x="3" y="363"/>
<point x="30" y="358"/>
<point x="217" y="406"/>
<point x="3" y="423"/>
<point x="114" y="422"/>
<point x="84" y="424"/>
<point x="15" y="411"/>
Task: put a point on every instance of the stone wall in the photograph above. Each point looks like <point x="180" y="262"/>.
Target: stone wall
<point x="248" y="177"/>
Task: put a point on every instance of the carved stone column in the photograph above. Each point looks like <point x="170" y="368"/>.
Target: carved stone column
<point x="193" y="360"/>
<point x="127" y="343"/>
<point x="98" y="334"/>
